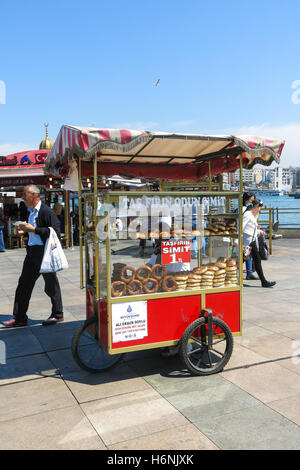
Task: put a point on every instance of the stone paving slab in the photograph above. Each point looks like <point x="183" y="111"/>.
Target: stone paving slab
<point x="55" y="336"/>
<point x="194" y="401"/>
<point x="252" y="428"/>
<point x="132" y="415"/>
<point x="120" y="380"/>
<point x="288" y="407"/>
<point x="186" y="437"/>
<point x="51" y="431"/>
<point x="268" y="344"/>
<point x="33" y="397"/>
<point x="147" y="401"/>
<point x="20" y="342"/>
<point x="266" y="382"/>
<point x="30" y="367"/>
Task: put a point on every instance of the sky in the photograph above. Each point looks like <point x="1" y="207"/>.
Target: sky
<point x="225" y="67"/>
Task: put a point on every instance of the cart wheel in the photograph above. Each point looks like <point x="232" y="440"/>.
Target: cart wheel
<point x="87" y="351"/>
<point x="201" y="358"/>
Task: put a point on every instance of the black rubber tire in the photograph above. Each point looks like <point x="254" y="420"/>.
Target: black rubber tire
<point x="91" y="349"/>
<point x="194" y="351"/>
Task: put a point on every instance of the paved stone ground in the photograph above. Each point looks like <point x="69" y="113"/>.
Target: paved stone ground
<point x="150" y="402"/>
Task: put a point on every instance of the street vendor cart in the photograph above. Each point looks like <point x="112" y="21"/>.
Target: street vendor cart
<point x="186" y="290"/>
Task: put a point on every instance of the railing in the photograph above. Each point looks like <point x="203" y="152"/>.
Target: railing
<point x="276" y="215"/>
<point x="291" y="211"/>
<point x="267" y="224"/>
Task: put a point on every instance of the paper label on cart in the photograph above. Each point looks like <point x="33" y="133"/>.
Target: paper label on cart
<point x="129" y="321"/>
<point x="176" y="251"/>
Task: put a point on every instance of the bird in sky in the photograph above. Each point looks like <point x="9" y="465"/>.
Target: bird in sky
<point x="157" y="82"/>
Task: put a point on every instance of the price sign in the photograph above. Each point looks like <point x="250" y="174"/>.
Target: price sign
<point x="129" y="321"/>
<point x="176" y="251"/>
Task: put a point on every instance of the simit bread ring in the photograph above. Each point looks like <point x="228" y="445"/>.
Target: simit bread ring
<point x="147" y="283"/>
<point x="118" y="288"/>
<point x="200" y="270"/>
<point x="134" y="287"/>
<point x="169" y="284"/>
<point x="144" y="272"/>
<point x="220" y="264"/>
<point x="124" y="276"/>
<point x="159" y="271"/>
<point x="231" y="262"/>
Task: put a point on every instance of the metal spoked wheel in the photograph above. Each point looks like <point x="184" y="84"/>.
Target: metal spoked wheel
<point x="206" y="346"/>
<point x="87" y="351"/>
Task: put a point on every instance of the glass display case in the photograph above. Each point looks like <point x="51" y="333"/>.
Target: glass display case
<point x="161" y="243"/>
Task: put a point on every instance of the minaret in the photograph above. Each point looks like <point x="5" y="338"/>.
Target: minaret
<point x="46" y="143"/>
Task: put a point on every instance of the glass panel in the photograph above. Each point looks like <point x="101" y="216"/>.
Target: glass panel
<point x="165" y="243"/>
<point x="102" y="270"/>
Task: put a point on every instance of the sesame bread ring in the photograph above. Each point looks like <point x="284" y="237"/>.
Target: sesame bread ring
<point x="201" y="270"/>
<point x="220" y="272"/>
<point x="158" y="272"/>
<point x="231" y="262"/>
<point x="144" y="272"/>
<point x="118" y="288"/>
<point x="212" y="267"/>
<point x="181" y="277"/>
<point x="196" y="277"/>
<point x="231" y="268"/>
<point x="124" y="276"/>
<point x="212" y="227"/>
<point x="150" y="285"/>
<point x="134" y="287"/>
<point x="169" y="284"/>
<point x="221" y="265"/>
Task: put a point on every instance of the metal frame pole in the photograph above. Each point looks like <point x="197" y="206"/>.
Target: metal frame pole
<point x="80" y="224"/>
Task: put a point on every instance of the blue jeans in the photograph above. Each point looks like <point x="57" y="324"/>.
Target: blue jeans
<point x="249" y="266"/>
<point x="195" y="247"/>
<point x="2" y="246"/>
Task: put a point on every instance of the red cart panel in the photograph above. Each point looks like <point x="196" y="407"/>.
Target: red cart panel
<point x="167" y="320"/>
<point x="226" y="306"/>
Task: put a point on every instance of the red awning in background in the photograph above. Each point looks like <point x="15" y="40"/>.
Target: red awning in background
<point x="23" y="168"/>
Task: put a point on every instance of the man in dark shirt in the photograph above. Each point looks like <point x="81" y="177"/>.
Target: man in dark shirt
<point x="41" y="217"/>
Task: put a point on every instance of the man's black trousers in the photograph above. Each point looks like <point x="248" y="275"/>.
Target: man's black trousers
<point x="27" y="280"/>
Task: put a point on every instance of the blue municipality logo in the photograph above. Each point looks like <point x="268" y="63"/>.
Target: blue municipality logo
<point x="129" y="309"/>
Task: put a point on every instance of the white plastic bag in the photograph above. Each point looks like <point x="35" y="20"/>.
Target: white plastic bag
<point x="54" y="258"/>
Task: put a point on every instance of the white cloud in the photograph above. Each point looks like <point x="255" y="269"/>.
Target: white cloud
<point x="289" y="132"/>
<point x="8" y="149"/>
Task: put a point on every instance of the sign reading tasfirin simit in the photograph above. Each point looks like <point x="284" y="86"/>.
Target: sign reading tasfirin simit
<point x="175" y="251"/>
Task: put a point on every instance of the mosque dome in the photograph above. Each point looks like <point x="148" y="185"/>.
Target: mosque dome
<point x="46" y="143"/>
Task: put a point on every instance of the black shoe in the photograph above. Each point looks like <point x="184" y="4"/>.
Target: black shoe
<point x="252" y="278"/>
<point x="268" y="284"/>
<point x="52" y="321"/>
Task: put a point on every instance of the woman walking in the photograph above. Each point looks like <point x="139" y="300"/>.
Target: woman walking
<point x="250" y="233"/>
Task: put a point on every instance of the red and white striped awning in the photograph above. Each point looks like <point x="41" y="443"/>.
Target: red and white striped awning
<point x="158" y="154"/>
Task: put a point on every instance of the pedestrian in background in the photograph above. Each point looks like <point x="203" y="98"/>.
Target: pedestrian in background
<point x="2" y="223"/>
<point x="250" y="234"/>
<point x="41" y="217"/>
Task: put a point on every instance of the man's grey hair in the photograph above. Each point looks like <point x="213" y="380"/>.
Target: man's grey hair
<point x="32" y="188"/>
